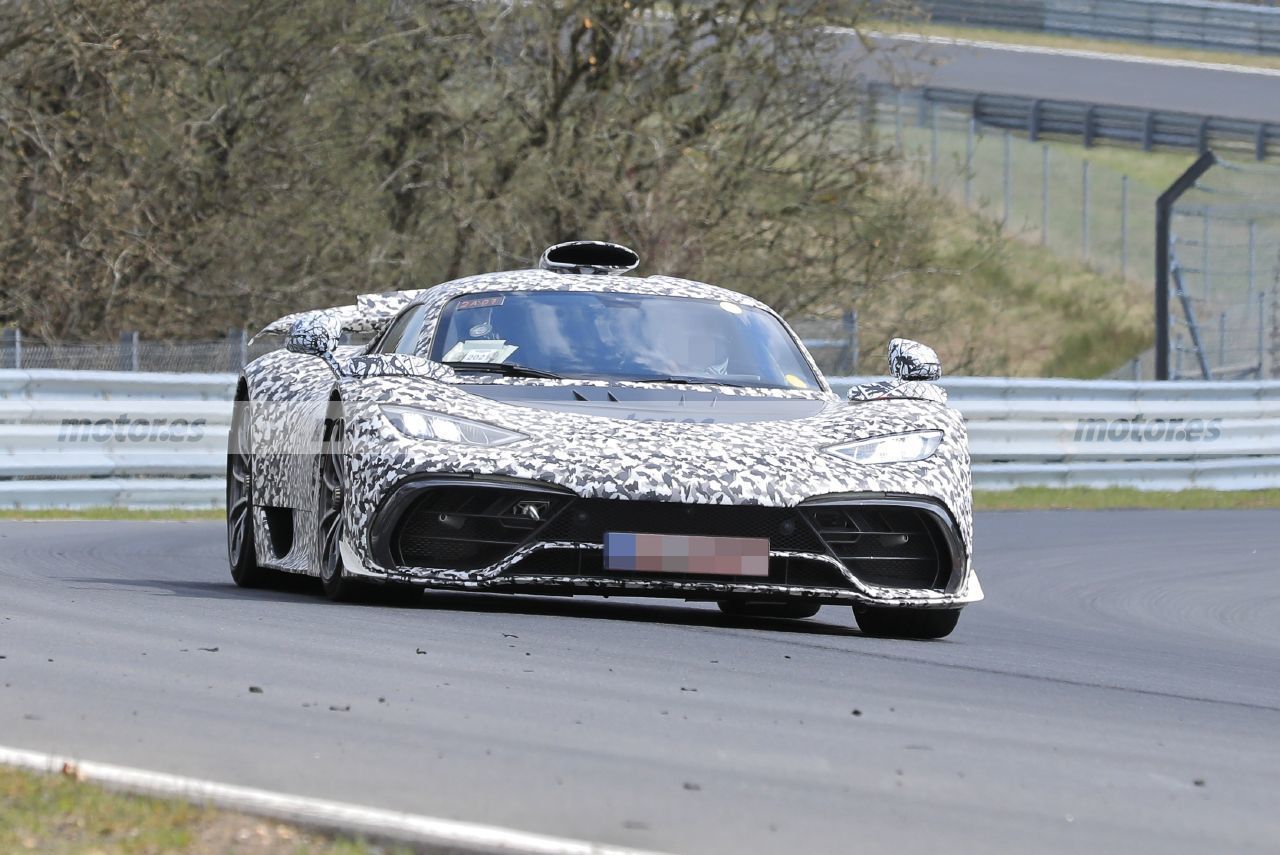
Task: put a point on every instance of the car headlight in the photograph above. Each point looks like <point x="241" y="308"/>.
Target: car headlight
<point x="893" y="448"/>
<point x="421" y="424"/>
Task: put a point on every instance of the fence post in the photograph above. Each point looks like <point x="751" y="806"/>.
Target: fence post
<point x="1124" y="225"/>
<point x="1044" y="194"/>
<point x="968" y="162"/>
<point x="849" y="358"/>
<point x="11" y="348"/>
<point x="1084" y="210"/>
<point x="1137" y="368"/>
<point x="1222" y="339"/>
<point x="1149" y="132"/>
<point x="1088" y="126"/>
<point x="897" y="123"/>
<point x="1204" y="250"/>
<point x="237" y="349"/>
<point x="1008" y="177"/>
<point x="1253" y="258"/>
<point x="129" y="351"/>
<point x="1262" y="332"/>
<point x="933" y="145"/>
<point x="1164" y="213"/>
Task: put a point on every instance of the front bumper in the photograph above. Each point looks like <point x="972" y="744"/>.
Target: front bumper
<point x="461" y="533"/>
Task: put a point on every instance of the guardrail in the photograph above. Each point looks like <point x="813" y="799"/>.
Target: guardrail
<point x="108" y="438"/>
<point x="1090" y="123"/>
<point x="1206" y="24"/>
<point x="1106" y="433"/>
<point x="72" y="439"/>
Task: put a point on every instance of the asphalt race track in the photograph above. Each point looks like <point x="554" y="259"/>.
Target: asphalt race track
<point x="1149" y="84"/>
<point x="1118" y="691"/>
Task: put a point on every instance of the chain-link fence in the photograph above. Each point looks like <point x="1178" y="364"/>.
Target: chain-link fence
<point x="130" y="353"/>
<point x="833" y="342"/>
<point x="1224" y="267"/>
<point x="1051" y="194"/>
<point x="1226" y="230"/>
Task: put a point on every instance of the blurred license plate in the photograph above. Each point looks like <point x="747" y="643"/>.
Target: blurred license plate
<point x="678" y="553"/>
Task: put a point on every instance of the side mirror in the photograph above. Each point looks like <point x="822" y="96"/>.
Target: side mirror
<point x="316" y="334"/>
<point x="911" y="360"/>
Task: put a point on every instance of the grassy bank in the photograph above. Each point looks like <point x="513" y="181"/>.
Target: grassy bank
<point x="1117" y="498"/>
<point x="57" y="813"/>
<point x="113" y="514"/>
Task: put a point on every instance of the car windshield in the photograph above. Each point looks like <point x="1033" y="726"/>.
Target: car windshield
<point x="614" y="336"/>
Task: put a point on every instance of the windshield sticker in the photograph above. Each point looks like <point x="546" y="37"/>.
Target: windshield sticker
<point x="481" y="330"/>
<point x="731" y="308"/>
<point x="481" y="302"/>
<point x="796" y="382"/>
<point x="480" y="350"/>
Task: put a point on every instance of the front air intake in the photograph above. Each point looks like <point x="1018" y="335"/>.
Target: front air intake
<point x="589" y="256"/>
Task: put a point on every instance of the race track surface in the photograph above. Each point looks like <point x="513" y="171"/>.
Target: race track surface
<point x="1245" y="94"/>
<point x="1118" y="691"/>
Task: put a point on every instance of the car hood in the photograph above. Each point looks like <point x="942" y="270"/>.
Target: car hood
<point x="666" y="403"/>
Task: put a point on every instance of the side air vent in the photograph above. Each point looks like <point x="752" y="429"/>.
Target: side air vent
<point x="589" y="256"/>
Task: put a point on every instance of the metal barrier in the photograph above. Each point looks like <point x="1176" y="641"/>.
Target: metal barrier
<point x="106" y="438"/>
<point x="77" y="439"/>
<point x="1206" y="24"/>
<point x="1089" y="123"/>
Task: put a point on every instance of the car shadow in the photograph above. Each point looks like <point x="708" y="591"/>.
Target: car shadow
<point x="288" y="588"/>
<point x="672" y="612"/>
<point x="305" y="589"/>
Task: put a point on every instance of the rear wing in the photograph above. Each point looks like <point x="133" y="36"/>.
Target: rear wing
<point x="370" y="314"/>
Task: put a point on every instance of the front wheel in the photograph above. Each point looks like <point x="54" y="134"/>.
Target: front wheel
<point x="338" y="584"/>
<point x="784" y="609"/>
<point x="883" y="622"/>
<point x="241" y="552"/>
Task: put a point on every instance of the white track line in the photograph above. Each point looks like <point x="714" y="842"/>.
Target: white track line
<point x="316" y="813"/>
<point x="945" y="41"/>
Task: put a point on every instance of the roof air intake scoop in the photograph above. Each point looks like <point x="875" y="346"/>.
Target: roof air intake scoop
<point x="589" y="256"/>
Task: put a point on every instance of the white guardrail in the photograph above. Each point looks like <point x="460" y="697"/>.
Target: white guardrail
<point x="104" y="438"/>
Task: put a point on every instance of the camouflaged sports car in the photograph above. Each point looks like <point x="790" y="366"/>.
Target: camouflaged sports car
<point x="573" y="430"/>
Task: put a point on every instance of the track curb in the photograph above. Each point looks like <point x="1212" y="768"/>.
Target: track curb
<point x="432" y="833"/>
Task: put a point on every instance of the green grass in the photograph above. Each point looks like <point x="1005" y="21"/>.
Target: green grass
<point x="113" y="514"/>
<point x="57" y="813"/>
<point x="1117" y="46"/>
<point x="1115" y="498"/>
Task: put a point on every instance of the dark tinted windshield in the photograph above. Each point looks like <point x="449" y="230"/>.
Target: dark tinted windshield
<point x="622" y="337"/>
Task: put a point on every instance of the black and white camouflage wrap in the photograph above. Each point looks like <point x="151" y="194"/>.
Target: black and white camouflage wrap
<point x="595" y="453"/>
<point x="911" y="360"/>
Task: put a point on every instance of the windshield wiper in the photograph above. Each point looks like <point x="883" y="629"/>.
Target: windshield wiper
<point x="506" y="369"/>
<point x="683" y="381"/>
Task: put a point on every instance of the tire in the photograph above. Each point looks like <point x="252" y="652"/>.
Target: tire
<point x="241" y="551"/>
<point x="905" y="623"/>
<point x="795" y="609"/>
<point x="338" y="585"/>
